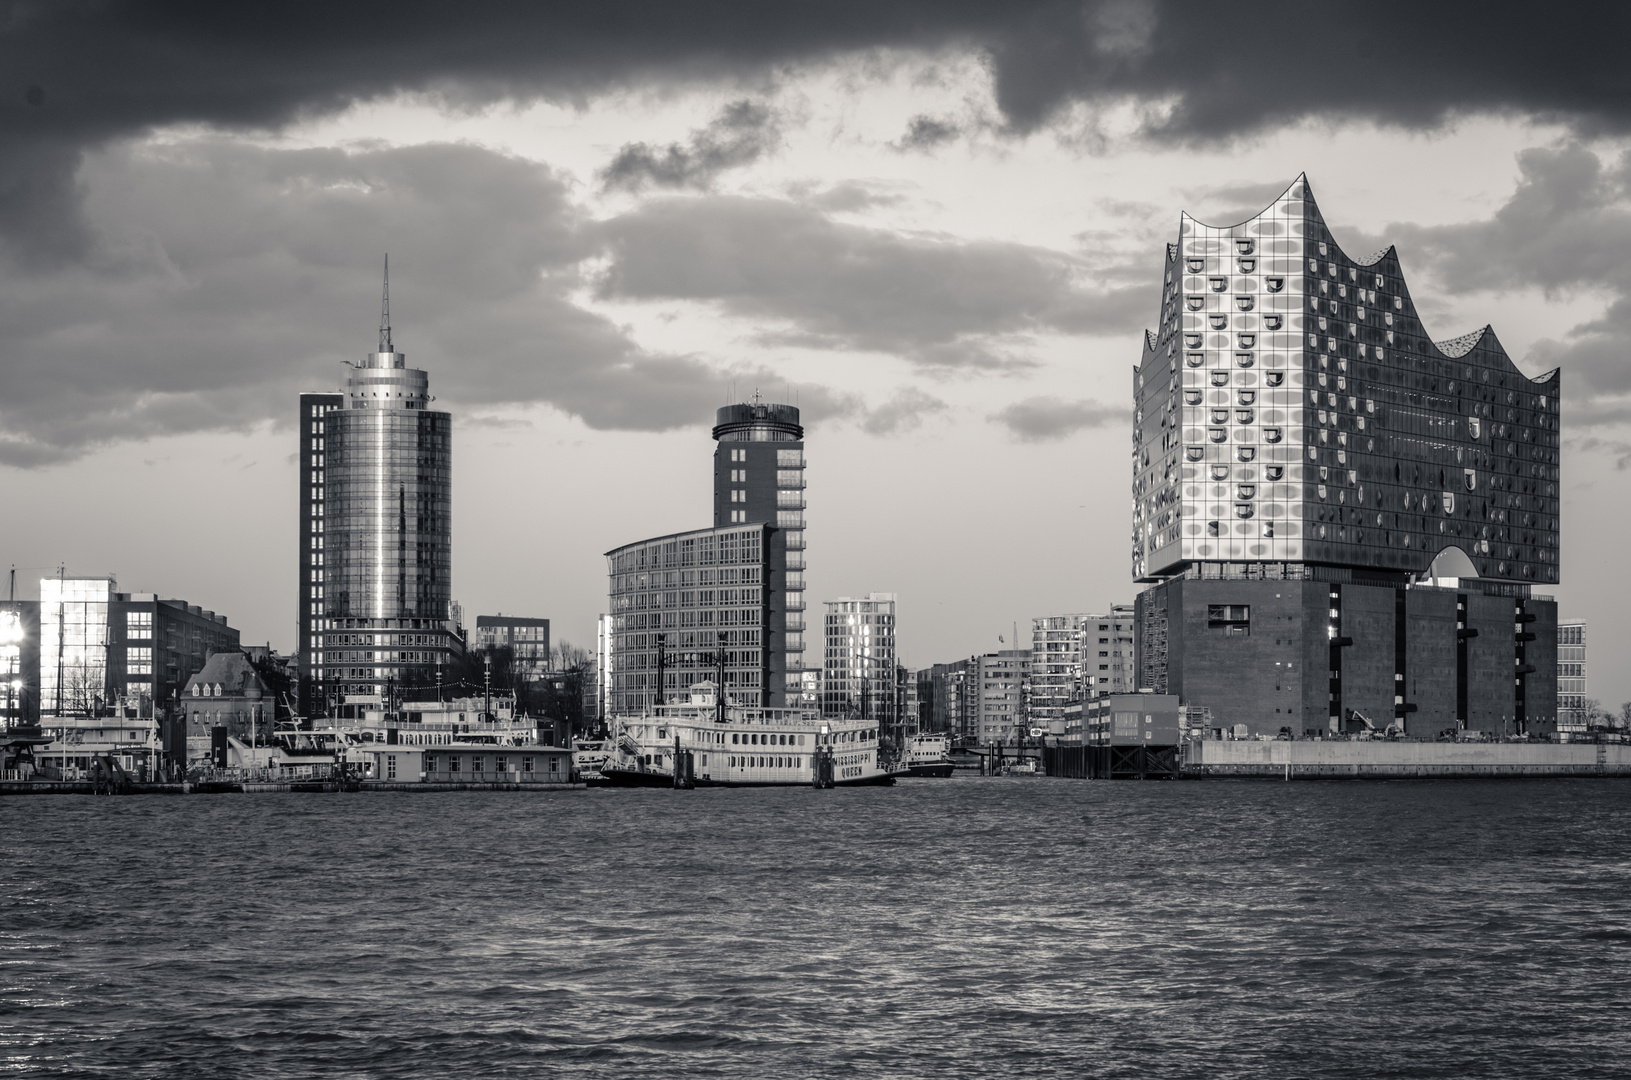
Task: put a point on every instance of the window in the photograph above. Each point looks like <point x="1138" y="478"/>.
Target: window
<point x="1218" y="321"/>
<point x="1274" y="378"/>
<point x="1195" y="303"/>
<point x="139" y="625"/>
<point x="1232" y="620"/>
<point x="1218" y="284"/>
<point x="1195" y="359"/>
<point x="1246" y="266"/>
<point x="1192" y="397"/>
<point x="430" y="763"/>
<point x="390" y="766"/>
<point x="500" y="764"/>
<point x="1245" y="303"/>
<point x="1272" y="322"/>
<point x="453" y="763"/>
<point x="1243" y="359"/>
<point x="1275" y="284"/>
<point x="526" y="764"/>
<point x="1220" y="378"/>
<point x="1191" y="453"/>
<point x="1244" y="247"/>
<point x="139" y="660"/>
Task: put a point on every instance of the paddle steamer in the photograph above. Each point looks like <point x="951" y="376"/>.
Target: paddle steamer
<point x="741" y="746"/>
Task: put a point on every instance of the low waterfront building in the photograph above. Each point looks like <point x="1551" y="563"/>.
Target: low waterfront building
<point x="226" y="699"/>
<point x="1078" y="656"/>
<point x="466" y="763"/>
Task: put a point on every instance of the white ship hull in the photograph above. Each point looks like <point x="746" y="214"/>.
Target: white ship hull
<point x="748" y="747"/>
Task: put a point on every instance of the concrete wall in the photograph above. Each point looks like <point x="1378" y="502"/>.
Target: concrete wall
<point x="1310" y="759"/>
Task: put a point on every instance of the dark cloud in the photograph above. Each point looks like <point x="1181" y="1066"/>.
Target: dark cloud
<point x="79" y="72"/>
<point x="934" y="301"/>
<point x="224" y="278"/>
<point x="926" y="133"/>
<point x="1041" y="419"/>
<point x="742" y="133"/>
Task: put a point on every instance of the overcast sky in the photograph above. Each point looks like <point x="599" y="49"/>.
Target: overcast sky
<point x="936" y="227"/>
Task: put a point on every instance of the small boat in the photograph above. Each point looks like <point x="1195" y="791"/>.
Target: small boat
<point x="741" y="746"/>
<point x="588" y="755"/>
<point x="1022" y="767"/>
<point x="928" y="755"/>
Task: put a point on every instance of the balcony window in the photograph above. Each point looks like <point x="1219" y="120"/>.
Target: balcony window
<point x="1218" y="322"/>
<point x="1194" y="453"/>
<point x="1192" y="341"/>
<point x="1274" y="378"/>
<point x="1245" y="303"/>
<point x="1273" y="472"/>
<point x="1246" y="266"/>
<point x="1194" y="359"/>
<point x="1248" y="397"/>
<point x="1275" y="284"/>
<point x="1192" y="397"/>
<point x="1243" y="416"/>
<point x="1218" y="284"/>
<point x="1247" y="340"/>
<point x="1195" y="303"/>
<point x="1246" y="491"/>
<point x="1243" y="510"/>
<point x="1272" y="435"/>
<point x="1220" y="472"/>
<point x="1218" y="434"/>
<point x="1273" y="322"/>
<point x="1246" y="453"/>
<point x="1220" y="378"/>
<point x="1244" y="247"/>
<point x="1195" y="265"/>
<point x="1220" y="416"/>
<point x="1211" y="528"/>
<point x="1243" y="359"/>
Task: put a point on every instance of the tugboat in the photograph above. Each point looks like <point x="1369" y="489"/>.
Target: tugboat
<point x="712" y="745"/>
<point x="928" y="755"/>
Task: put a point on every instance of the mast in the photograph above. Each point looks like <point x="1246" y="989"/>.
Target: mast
<point x="385" y="311"/>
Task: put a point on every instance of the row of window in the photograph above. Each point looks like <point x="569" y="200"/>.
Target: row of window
<point x="478" y="766"/>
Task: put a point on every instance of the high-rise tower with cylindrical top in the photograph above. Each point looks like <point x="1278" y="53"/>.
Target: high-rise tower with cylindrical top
<point x="384" y="533"/>
<point x="759" y="476"/>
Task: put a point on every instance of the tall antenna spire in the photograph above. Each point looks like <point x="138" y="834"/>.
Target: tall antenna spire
<point x="385" y="311"/>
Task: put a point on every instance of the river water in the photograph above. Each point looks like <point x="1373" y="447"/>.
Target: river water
<point x="939" y="928"/>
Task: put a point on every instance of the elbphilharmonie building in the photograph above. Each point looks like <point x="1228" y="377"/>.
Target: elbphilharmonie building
<point x="1316" y="480"/>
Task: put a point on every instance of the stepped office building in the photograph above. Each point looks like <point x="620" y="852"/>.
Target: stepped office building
<point x="680" y="602"/>
<point x="1344" y="521"/>
<point x="376" y="534"/>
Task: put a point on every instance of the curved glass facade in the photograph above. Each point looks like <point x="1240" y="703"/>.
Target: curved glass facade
<point x="1292" y="409"/>
<point x="384" y="536"/>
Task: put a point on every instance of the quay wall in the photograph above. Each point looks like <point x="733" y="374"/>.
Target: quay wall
<point x="1306" y="759"/>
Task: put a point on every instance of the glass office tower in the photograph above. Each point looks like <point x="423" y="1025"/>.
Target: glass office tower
<point x="385" y="536"/>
